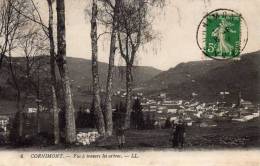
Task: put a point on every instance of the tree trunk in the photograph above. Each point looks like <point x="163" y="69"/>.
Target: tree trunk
<point x="108" y="111"/>
<point x="129" y="82"/>
<point x="70" y="128"/>
<point x="56" y="130"/>
<point x="95" y="75"/>
<point x="38" y="103"/>
<point x="18" y="98"/>
<point x="1" y="61"/>
<point x="21" y="117"/>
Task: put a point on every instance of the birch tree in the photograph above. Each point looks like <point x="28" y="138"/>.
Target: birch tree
<point x="56" y="130"/>
<point x="105" y="13"/>
<point x="135" y="29"/>
<point x="70" y="129"/>
<point x="95" y="74"/>
<point x="112" y="52"/>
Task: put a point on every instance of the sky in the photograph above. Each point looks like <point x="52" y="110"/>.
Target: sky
<point x="176" y="26"/>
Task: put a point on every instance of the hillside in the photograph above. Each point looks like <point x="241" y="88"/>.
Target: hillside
<point x="80" y="74"/>
<point x="205" y="78"/>
<point x="208" y="78"/>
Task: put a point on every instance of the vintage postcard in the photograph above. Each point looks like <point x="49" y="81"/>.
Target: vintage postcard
<point x="130" y="82"/>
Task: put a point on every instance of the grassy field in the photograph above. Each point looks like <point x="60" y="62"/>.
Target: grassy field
<point x="225" y="135"/>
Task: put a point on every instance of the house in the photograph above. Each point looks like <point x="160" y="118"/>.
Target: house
<point x="153" y="107"/>
<point x="168" y="103"/>
<point x="32" y="110"/>
<point x="163" y="95"/>
<point x="174" y="119"/>
<point x="246" y="104"/>
<point x="189" y="123"/>
<point x="171" y="110"/>
<point x="162" y="108"/>
<point x="208" y="124"/>
<point x="4" y="121"/>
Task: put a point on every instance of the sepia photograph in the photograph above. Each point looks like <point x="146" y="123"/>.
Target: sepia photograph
<point x="110" y="82"/>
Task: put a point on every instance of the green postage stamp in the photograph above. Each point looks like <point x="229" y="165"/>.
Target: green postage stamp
<point x="222" y="34"/>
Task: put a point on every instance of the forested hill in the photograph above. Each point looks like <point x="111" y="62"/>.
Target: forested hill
<point x="80" y="75"/>
<point x="208" y="78"/>
<point x="80" y="72"/>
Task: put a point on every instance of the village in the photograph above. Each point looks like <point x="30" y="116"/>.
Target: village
<point x="163" y="108"/>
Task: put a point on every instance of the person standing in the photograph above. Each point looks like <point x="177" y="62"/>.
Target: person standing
<point x="182" y="134"/>
<point x="120" y="133"/>
<point x="179" y="134"/>
<point x="174" y="139"/>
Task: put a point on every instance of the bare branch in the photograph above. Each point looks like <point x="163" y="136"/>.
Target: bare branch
<point x="44" y="27"/>
<point x="121" y="46"/>
<point x="100" y="35"/>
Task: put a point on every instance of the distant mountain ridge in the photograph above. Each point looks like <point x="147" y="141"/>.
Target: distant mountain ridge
<point x="204" y="78"/>
<point x="80" y="71"/>
<point x="208" y="78"/>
